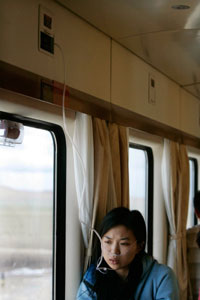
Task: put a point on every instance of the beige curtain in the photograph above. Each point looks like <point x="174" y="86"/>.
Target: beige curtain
<point x="119" y="153"/>
<point x="111" y="187"/>
<point x="175" y="175"/>
<point x="104" y="187"/>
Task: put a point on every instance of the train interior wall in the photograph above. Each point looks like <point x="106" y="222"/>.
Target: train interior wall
<point x="95" y="64"/>
<point x="100" y="67"/>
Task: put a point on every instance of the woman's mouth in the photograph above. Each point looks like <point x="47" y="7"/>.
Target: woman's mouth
<point x="114" y="261"/>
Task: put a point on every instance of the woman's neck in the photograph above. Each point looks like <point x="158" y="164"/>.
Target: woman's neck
<point x="123" y="273"/>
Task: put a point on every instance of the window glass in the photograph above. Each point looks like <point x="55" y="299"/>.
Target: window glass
<point x="141" y="186"/>
<point x="26" y="217"/>
<point x="191" y="220"/>
<point x="137" y="180"/>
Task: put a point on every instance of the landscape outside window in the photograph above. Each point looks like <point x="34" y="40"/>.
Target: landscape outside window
<point x="26" y="217"/>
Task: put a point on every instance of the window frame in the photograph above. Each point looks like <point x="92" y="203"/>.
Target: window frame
<point x="59" y="207"/>
<point x="149" y="191"/>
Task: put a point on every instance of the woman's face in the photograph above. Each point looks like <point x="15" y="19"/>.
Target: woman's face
<point x="119" y="248"/>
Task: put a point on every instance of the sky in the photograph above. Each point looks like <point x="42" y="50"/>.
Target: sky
<point x="28" y="166"/>
<point x="137" y="179"/>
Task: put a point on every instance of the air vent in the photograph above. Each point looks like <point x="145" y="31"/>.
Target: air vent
<point x="46" y="31"/>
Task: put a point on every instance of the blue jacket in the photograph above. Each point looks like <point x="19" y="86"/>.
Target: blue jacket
<point x="157" y="282"/>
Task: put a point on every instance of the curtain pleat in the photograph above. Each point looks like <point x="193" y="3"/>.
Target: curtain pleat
<point x="83" y="153"/>
<point x="175" y="176"/>
<point x="119" y="153"/>
<point x="104" y="189"/>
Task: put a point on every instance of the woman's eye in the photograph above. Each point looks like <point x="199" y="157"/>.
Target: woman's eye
<point x="125" y="244"/>
<point x="107" y="242"/>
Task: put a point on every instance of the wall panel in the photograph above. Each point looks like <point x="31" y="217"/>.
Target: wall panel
<point x="130" y="88"/>
<point x="86" y="50"/>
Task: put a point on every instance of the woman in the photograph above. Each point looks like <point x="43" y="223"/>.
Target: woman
<point x="124" y="271"/>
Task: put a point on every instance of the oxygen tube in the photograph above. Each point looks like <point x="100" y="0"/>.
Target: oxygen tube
<point x="101" y="269"/>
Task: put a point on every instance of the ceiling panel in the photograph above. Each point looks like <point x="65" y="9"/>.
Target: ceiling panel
<point x="123" y="18"/>
<point x="174" y="53"/>
<point x="166" y="38"/>
<point x="194" y="89"/>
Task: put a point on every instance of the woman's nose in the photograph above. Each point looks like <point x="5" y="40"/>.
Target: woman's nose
<point x="115" y="249"/>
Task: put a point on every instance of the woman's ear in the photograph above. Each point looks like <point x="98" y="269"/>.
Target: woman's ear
<point x="197" y="212"/>
<point x="140" y="246"/>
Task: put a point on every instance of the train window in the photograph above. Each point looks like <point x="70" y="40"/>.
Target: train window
<point x="28" y="220"/>
<point x="191" y="219"/>
<point x="141" y="185"/>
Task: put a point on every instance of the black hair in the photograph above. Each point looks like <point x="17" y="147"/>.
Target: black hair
<point x="198" y="239"/>
<point x="197" y="201"/>
<point x="197" y="212"/>
<point x="110" y="286"/>
<point x="133" y="220"/>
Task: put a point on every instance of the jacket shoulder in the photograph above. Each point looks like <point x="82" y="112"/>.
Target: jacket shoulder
<point x="158" y="280"/>
<point x="85" y="291"/>
<point x="89" y="276"/>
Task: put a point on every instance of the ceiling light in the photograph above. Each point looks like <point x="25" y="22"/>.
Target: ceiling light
<point x="180" y="6"/>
